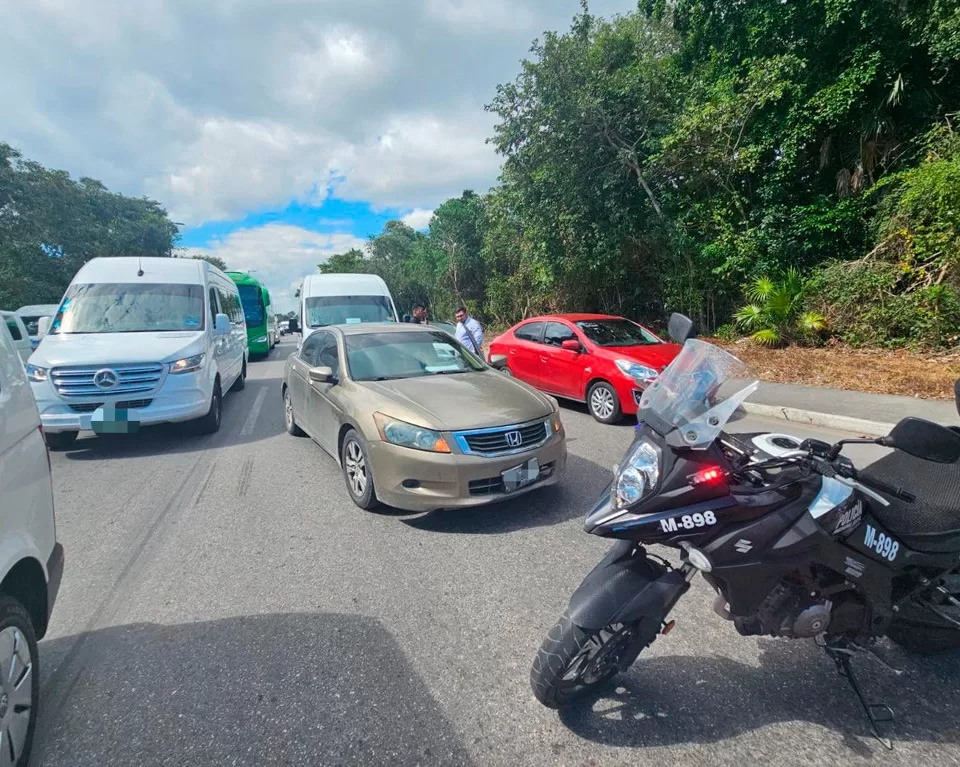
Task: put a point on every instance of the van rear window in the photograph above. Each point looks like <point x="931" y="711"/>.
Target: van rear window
<point x="137" y="307"/>
<point x="347" y="310"/>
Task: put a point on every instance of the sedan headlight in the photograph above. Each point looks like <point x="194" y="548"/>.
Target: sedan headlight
<point x="187" y="364"/>
<point x="37" y="374"/>
<point x="635" y="370"/>
<point x="408" y="435"/>
<point x="638" y="475"/>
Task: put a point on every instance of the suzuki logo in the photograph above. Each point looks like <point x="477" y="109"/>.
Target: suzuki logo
<point x="514" y="438"/>
<point x="105" y="379"/>
<point x="743" y="546"/>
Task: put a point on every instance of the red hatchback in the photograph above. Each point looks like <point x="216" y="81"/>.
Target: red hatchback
<point x="594" y="358"/>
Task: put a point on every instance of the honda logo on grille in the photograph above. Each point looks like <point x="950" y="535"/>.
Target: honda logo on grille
<point x="514" y="438"/>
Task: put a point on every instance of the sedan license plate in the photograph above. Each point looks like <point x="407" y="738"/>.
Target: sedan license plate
<point x="520" y="476"/>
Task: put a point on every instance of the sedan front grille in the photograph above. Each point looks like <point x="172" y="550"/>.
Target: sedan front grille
<point x="129" y="379"/>
<point x="504" y="440"/>
<point x="132" y="404"/>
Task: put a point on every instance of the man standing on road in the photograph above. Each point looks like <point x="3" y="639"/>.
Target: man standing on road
<point x="420" y="316"/>
<point x="469" y="332"/>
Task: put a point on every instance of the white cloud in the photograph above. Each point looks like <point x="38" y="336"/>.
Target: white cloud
<point x="221" y="107"/>
<point x="418" y="219"/>
<point x="279" y="255"/>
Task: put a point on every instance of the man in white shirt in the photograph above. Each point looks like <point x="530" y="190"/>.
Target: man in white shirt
<point x="469" y="332"/>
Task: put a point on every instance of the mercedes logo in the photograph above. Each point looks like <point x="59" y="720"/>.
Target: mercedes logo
<point x="514" y="438"/>
<point x="106" y="378"/>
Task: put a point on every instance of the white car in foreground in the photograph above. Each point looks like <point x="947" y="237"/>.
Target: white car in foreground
<point x="31" y="560"/>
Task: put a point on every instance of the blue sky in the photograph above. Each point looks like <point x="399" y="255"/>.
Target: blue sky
<point x="278" y="132"/>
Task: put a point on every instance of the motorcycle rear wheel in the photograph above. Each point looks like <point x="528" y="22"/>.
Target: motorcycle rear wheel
<point x="573" y="662"/>
<point x="921" y="630"/>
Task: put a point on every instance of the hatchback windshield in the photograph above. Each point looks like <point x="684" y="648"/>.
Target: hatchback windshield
<point x="129" y="308"/>
<point x="386" y="356"/>
<point x="347" y="310"/>
<point x="252" y="304"/>
<point x="617" y="333"/>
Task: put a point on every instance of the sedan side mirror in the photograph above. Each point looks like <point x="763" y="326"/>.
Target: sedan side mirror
<point x="221" y="326"/>
<point x="924" y="439"/>
<point x="43" y="327"/>
<point x="321" y="374"/>
<point x="571" y="345"/>
<point x="681" y="328"/>
<point x="498" y="361"/>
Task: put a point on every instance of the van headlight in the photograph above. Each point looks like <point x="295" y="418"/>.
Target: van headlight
<point x="187" y="364"/>
<point x="637" y="476"/>
<point x="37" y="374"/>
<point x="637" y="371"/>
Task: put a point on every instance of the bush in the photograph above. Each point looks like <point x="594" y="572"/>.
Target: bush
<point x="727" y="334"/>
<point x="776" y="315"/>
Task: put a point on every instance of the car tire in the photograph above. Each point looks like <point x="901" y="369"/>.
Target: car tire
<point x="18" y="651"/>
<point x="603" y="403"/>
<point x="289" y="417"/>
<point x="241" y="383"/>
<point x="210" y="423"/>
<point x="60" y="440"/>
<point x="357" y="471"/>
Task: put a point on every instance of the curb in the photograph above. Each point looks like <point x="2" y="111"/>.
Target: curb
<point x="825" y="420"/>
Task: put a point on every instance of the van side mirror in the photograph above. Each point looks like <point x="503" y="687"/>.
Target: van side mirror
<point x="294" y="326"/>
<point x="924" y="439"/>
<point x="321" y="374"/>
<point x="571" y="345"/>
<point x="43" y="327"/>
<point x="221" y="326"/>
<point x="681" y="328"/>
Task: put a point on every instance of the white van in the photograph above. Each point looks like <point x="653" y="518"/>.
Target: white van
<point x="31" y="559"/>
<point x="344" y="299"/>
<point x="19" y="334"/>
<point x="155" y="340"/>
<point x="31" y="316"/>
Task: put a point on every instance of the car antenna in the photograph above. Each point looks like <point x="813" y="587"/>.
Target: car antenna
<point x="140" y="264"/>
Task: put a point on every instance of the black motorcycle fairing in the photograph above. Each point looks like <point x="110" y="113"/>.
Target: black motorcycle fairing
<point x="626" y="586"/>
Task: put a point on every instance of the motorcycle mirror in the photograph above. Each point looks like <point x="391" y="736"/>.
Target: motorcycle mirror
<point x="681" y="328"/>
<point x="924" y="439"/>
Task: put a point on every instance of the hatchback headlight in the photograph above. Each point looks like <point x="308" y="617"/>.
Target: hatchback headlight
<point x="37" y="374"/>
<point x="187" y="364"/>
<point x="635" y="370"/>
<point x="408" y="435"/>
<point x="638" y="475"/>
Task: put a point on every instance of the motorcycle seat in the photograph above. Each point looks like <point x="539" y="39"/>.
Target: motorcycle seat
<point x="931" y="523"/>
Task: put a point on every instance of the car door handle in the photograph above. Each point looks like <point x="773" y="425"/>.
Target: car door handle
<point x="544" y="359"/>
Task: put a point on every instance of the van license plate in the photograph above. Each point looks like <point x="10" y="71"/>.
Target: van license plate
<point x="520" y="476"/>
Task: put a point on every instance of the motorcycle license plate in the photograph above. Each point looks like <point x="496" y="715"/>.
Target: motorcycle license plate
<point x="520" y="476"/>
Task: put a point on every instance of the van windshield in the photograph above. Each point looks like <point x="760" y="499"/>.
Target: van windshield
<point x="347" y="310"/>
<point x="129" y="308"/>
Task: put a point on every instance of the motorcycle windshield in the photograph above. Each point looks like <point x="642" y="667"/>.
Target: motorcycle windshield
<point x="688" y="395"/>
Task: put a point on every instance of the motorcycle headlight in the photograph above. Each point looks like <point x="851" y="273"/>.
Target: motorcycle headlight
<point x="638" y="475"/>
<point x="187" y="364"/>
<point x="37" y="374"/>
<point x="408" y="435"/>
<point x="637" y="371"/>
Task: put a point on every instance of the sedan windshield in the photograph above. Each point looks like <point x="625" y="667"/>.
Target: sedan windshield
<point x="136" y="307"/>
<point x="386" y="356"/>
<point x="347" y="310"/>
<point x="618" y="332"/>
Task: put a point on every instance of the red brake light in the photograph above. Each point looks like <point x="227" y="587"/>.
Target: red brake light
<point x="713" y="474"/>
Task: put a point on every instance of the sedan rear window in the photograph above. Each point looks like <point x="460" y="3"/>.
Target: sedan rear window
<point x="618" y="332"/>
<point x="387" y="356"/>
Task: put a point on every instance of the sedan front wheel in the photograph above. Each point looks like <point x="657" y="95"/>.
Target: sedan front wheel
<point x="604" y="403"/>
<point x="357" y="471"/>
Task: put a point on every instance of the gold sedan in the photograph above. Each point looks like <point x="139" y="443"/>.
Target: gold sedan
<point x="418" y="422"/>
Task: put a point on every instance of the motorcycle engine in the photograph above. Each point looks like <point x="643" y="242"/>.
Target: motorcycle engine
<point x="788" y="611"/>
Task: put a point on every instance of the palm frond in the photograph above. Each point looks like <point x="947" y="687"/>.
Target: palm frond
<point x="750" y="316"/>
<point x="812" y="322"/>
<point x="767" y="337"/>
<point x="760" y="289"/>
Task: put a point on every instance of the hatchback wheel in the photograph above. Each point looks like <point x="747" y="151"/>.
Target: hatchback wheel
<point x="357" y="471"/>
<point x="604" y="403"/>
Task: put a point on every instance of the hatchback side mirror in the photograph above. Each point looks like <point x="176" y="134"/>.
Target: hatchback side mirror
<point x="43" y="327"/>
<point x="924" y="439"/>
<point x="321" y="374"/>
<point x="571" y="345"/>
<point x="221" y="326"/>
<point x="681" y="328"/>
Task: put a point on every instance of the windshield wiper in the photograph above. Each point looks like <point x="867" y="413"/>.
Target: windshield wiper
<point x="449" y="372"/>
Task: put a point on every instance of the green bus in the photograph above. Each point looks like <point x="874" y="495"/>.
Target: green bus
<point x="262" y="330"/>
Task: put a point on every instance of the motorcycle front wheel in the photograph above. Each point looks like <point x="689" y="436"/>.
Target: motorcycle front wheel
<point x="573" y="662"/>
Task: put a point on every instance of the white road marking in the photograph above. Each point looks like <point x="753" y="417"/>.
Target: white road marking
<point x="247" y="429"/>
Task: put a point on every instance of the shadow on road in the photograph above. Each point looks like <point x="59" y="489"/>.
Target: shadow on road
<point x="292" y="689"/>
<point x="581" y="407"/>
<point x="572" y="497"/>
<point x="668" y="701"/>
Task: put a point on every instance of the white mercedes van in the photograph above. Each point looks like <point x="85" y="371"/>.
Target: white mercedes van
<point x="344" y="299"/>
<point x="31" y="559"/>
<point x="139" y="341"/>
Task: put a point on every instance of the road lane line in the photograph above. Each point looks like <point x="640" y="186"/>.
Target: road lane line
<point x="247" y="429"/>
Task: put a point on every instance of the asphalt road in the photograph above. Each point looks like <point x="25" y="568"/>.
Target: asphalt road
<point x="225" y="603"/>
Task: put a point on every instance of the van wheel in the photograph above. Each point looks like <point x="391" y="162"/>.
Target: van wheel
<point x="603" y="402"/>
<point x="210" y="423"/>
<point x="19" y="681"/>
<point x="241" y="383"/>
<point x="60" y="440"/>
